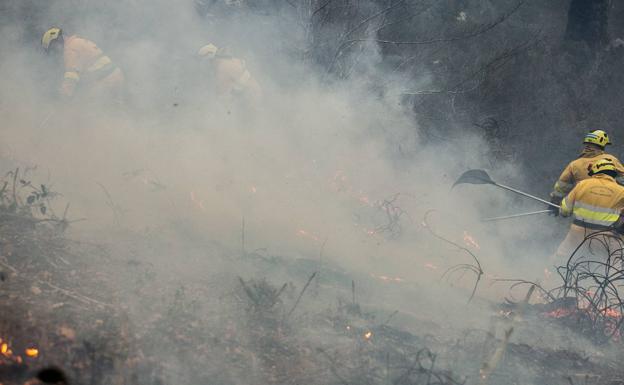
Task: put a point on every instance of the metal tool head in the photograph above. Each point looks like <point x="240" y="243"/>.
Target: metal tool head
<point x="474" y="176"/>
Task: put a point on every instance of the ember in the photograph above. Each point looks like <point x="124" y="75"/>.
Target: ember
<point x="385" y="278"/>
<point x="431" y="266"/>
<point x="370" y="233"/>
<point x="306" y="234"/>
<point x="364" y="200"/>
<point x="470" y="241"/>
<point x="612" y="313"/>
<point x="559" y="313"/>
<point x="4" y="349"/>
<point x="32" y="352"/>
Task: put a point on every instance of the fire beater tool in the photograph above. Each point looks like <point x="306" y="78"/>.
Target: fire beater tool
<point x="477" y="176"/>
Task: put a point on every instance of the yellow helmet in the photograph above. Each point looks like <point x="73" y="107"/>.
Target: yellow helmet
<point x="49" y="36"/>
<point x="597" y="137"/>
<point x="602" y="165"/>
<point x="209" y="51"/>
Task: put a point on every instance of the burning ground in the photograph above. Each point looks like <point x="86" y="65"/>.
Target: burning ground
<point x="313" y="239"/>
<point x="104" y="315"/>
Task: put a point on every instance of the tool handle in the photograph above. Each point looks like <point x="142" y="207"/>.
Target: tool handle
<point x="526" y="194"/>
<point x="514" y="216"/>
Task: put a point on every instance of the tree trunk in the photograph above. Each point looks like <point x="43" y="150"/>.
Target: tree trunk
<point x="588" y="22"/>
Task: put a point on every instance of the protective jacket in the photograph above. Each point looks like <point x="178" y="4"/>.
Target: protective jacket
<point x="578" y="170"/>
<point x="86" y="64"/>
<point x="596" y="203"/>
<point x="233" y="79"/>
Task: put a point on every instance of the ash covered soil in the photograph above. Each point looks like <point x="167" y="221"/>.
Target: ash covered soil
<point x="103" y="313"/>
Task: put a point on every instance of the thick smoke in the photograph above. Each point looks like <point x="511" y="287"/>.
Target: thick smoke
<point x="181" y="181"/>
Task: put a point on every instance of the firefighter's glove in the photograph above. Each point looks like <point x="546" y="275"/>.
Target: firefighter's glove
<point x="554" y="211"/>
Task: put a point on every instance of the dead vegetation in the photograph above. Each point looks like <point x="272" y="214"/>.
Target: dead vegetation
<point x="55" y="310"/>
<point x="60" y="309"/>
<point x="589" y="299"/>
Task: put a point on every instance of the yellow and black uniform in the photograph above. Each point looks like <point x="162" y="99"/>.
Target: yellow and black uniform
<point x="596" y="204"/>
<point x="87" y="65"/>
<point x="578" y="170"/>
<point x="232" y="79"/>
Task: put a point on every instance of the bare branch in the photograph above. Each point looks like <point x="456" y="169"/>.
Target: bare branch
<point x="484" y="29"/>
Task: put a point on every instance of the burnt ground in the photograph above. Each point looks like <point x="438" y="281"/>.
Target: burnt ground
<point x="232" y="329"/>
<point x="103" y="313"/>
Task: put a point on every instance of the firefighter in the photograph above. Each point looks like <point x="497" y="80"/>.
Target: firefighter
<point x="87" y="70"/>
<point x="596" y="204"/>
<point x="578" y="170"/>
<point x="232" y="80"/>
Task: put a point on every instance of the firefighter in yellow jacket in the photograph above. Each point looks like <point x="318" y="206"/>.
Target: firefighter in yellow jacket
<point x="233" y="81"/>
<point x="87" y="69"/>
<point x="578" y="170"/>
<point x="596" y="204"/>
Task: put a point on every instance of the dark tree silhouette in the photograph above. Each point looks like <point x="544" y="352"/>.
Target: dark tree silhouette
<point x="588" y="22"/>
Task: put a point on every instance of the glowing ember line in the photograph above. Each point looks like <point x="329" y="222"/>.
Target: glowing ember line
<point x="385" y="278"/>
<point x="559" y="313"/>
<point x="470" y="241"/>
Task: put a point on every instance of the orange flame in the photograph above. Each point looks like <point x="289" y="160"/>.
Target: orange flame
<point x="368" y="335"/>
<point x="32" y="352"/>
<point x="612" y="313"/>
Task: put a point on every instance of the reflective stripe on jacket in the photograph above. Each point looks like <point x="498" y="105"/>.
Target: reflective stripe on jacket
<point x="578" y="170"/>
<point x="595" y="202"/>
<point x="84" y="61"/>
